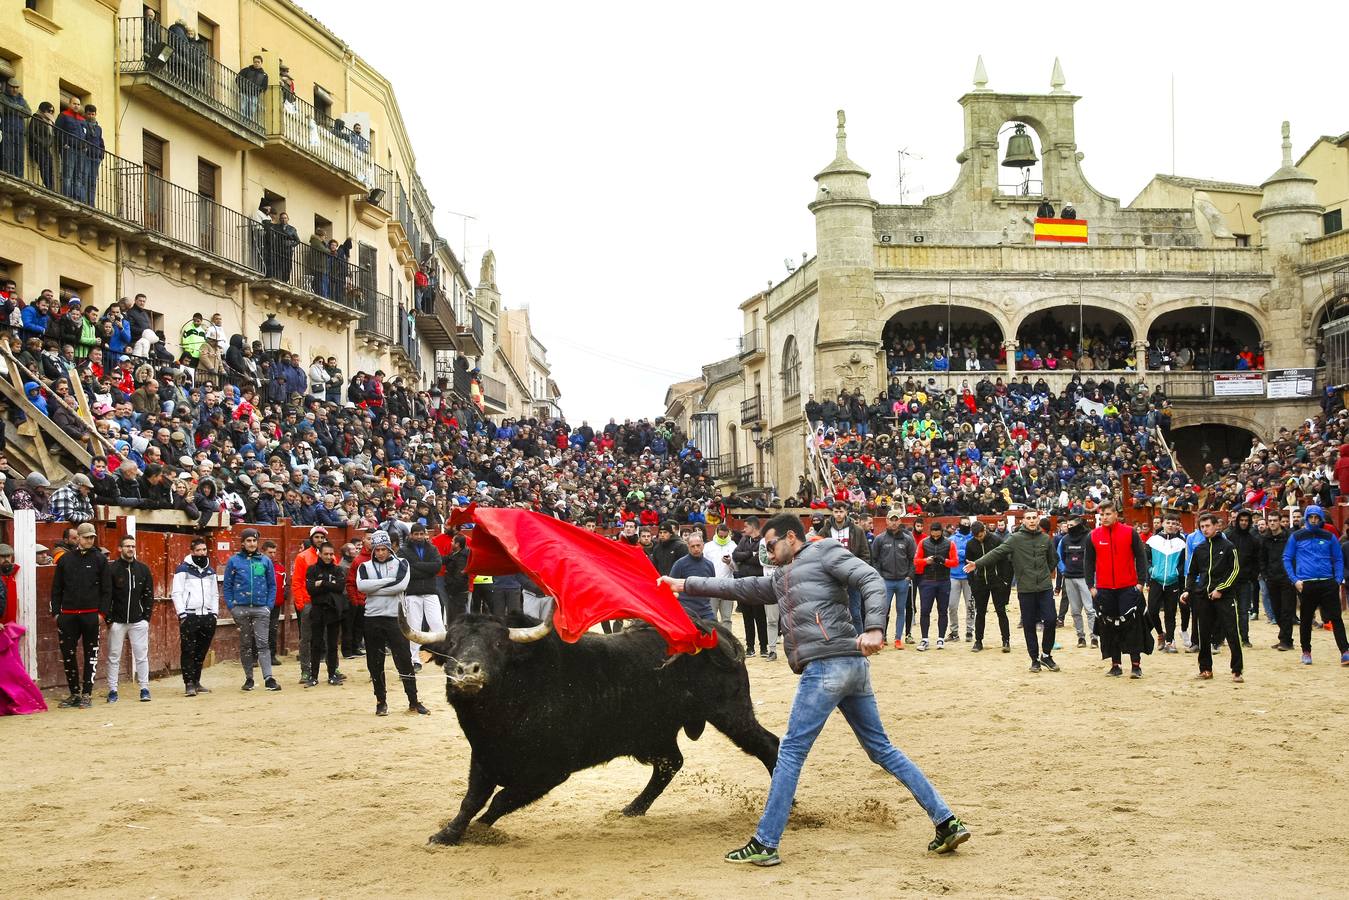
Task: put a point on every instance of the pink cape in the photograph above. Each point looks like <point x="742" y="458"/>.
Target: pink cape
<point x="593" y="578"/>
<point x="18" y="694"/>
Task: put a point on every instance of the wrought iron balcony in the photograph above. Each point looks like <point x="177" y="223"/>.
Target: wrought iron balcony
<point x="751" y="345"/>
<point x="751" y="410"/>
<point x="468" y="336"/>
<point x="331" y="155"/>
<point x="175" y="72"/>
<point x="435" y="318"/>
<point x="301" y="273"/>
<point x="377" y="320"/>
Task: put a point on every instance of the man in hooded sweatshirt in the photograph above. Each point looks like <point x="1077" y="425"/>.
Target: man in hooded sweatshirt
<point x="196" y="598"/>
<point x="326" y="584"/>
<point x="1076" y="591"/>
<point x="383" y="579"/>
<point x="1166" y="566"/>
<point x="934" y="561"/>
<point x="1315" y="564"/>
<point x="1241" y="535"/>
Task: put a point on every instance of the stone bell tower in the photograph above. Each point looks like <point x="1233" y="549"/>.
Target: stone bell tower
<point x="846" y="352"/>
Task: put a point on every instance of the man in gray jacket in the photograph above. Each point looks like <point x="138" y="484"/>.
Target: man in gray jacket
<point x="811" y="589"/>
<point x="892" y="554"/>
<point x="384" y="579"/>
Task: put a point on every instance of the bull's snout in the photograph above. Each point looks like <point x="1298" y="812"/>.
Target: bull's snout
<point x="465" y="677"/>
<point x="469" y="670"/>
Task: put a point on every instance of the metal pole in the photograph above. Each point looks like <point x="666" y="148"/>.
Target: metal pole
<point x="1212" y="313"/>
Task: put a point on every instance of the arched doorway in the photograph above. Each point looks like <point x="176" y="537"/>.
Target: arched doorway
<point x="1333" y="309"/>
<point x="1195" y="445"/>
<point x="940" y="337"/>
<point x="1014" y="137"/>
<point x="1074" y="336"/>
<point x="1204" y="338"/>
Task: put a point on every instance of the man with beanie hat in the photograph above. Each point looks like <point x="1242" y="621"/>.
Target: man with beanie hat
<point x="77" y="590"/>
<point x="384" y="579"/>
<point x="299" y="593"/>
<point x="249" y="587"/>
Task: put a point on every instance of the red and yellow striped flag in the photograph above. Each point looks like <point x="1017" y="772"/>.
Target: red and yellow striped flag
<point x="1061" y="231"/>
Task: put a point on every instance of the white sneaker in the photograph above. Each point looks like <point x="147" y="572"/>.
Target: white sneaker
<point x="941" y="645"/>
<point x="922" y="645"/>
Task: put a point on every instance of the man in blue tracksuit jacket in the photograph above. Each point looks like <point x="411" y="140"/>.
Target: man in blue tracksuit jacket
<point x="1315" y="564"/>
<point x="960" y="585"/>
<point x="250" y="590"/>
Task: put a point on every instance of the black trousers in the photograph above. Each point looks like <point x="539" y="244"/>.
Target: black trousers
<point x="381" y="634"/>
<point x="1217" y="619"/>
<point x="1283" y="597"/>
<point x="271" y="627"/>
<point x="484" y="600"/>
<point x="323" y="633"/>
<point x="74" y="628"/>
<point x="195" y="634"/>
<point x="1325" y="596"/>
<point x="909" y="609"/>
<point x="508" y="600"/>
<point x="456" y="604"/>
<point x="999" y="596"/>
<point x="1163" y="601"/>
<point x="756" y="619"/>
<point x="353" y="636"/>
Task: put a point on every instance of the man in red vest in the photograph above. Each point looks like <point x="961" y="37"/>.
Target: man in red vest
<point x="1116" y="564"/>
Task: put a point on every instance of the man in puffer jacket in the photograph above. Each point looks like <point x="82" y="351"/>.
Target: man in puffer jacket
<point x="1315" y="564"/>
<point x="196" y="597"/>
<point x="811" y="590"/>
<point x="128" y="602"/>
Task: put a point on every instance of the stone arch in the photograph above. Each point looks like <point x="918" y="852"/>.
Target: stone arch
<point x="1126" y="311"/>
<point x="1004" y="183"/>
<point x="1332" y="303"/>
<point x="953" y="328"/>
<point x="1224" y="327"/>
<point x="891" y="306"/>
<point x="1236" y="304"/>
<point x="791" y="367"/>
<point x="1188" y="418"/>
<point x="1212" y="437"/>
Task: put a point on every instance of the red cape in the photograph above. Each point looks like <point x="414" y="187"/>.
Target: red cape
<point x="593" y="578"/>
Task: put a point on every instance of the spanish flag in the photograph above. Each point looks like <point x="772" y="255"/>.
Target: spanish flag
<point x="1061" y="231"/>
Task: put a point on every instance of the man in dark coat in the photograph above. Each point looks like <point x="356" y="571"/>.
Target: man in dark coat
<point x="14" y="114"/>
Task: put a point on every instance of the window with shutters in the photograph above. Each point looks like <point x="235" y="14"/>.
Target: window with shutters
<point x="206" y="35"/>
<point x="208" y="211"/>
<point x="154" y="156"/>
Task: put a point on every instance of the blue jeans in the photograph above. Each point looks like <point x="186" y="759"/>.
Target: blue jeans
<point x="842" y="683"/>
<point x="897" y="591"/>
<point x="930" y="592"/>
<point x="855" y="609"/>
<point x="1265" y="601"/>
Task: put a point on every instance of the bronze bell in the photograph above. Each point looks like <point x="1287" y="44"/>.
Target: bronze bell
<point x="1020" y="150"/>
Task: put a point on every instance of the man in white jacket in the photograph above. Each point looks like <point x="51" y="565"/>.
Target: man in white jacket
<point x="384" y="581"/>
<point x="196" y="597"/>
<point x="718" y="551"/>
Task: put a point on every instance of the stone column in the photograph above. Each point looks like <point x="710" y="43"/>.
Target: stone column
<point x="1010" y="347"/>
<point x="1141" y="356"/>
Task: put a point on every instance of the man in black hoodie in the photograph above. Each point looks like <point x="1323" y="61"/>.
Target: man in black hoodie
<point x="1282" y="596"/>
<point x="762" y="618"/>
<point x="667" y="549"/>
<point x="1242" y="536"/>
<point x="127" y="602"/>
<point x="76" y="600"/>
<point x="327" y="585"/>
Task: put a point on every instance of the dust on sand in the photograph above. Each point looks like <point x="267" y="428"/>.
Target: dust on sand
<point x="1075" y="785"/>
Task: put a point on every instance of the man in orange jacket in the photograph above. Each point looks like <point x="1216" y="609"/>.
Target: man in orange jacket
<point x="299" y="593"/>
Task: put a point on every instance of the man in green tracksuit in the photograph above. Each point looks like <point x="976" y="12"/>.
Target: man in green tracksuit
<point x="1034" y="562"/>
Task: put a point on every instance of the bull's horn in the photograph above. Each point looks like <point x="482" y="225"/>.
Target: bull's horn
<point x="534" y="633"/>
<point x="418" y="637"/>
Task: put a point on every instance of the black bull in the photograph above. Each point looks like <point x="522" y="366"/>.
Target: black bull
<point x="535" y="710"/>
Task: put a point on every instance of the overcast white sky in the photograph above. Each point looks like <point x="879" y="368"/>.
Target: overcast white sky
<point x="641" y="169"/>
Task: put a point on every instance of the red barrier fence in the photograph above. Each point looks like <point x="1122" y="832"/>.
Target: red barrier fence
<point x="162" y="551"/>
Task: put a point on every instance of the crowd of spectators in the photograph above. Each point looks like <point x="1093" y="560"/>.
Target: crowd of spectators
<point x="261" y="438"/>
<point x="926" y="347"/>
<point x="1184" y="347"/>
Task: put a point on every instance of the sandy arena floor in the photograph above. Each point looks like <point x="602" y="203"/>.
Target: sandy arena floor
<point x="1075" y="785"/>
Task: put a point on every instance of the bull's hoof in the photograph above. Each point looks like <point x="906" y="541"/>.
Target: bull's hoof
<point x="632" y="811"/>
<point x="445" y="838"/>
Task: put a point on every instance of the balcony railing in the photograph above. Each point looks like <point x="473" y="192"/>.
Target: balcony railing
<point x="378" y="316"/>
<point x="751" y="343"/>
<point x="469" y="335"/>
<point x="174" y="212"/>
<point x="493" y="390"/>
<point x="751" y="410"/>
<point x="35" y="151"/>
<point x="387" y="182"/>
<point x="172" y="57"/>
<point x="294" y="123"/>
<point x="407" y="339"/>
<point x="435" y="318"/>
<point x="323" y="275"/>
<point x="407" y="219"/>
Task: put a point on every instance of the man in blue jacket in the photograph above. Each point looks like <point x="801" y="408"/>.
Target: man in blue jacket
<point x="1315" y="564"/>
<point x="961" y="594"/>
<point x="250" y="589"/>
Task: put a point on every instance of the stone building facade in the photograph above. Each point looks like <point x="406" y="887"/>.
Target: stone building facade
<point x="969" y="255"/>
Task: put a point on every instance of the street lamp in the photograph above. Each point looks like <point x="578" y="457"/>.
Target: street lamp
<point x="271" y="335"/>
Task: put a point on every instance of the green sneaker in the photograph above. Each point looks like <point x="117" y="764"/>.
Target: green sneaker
<point x="754" y="853"/>
<point x="950" y="835"/>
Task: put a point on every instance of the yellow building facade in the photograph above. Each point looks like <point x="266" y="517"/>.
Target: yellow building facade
<point x="194" y="147"/>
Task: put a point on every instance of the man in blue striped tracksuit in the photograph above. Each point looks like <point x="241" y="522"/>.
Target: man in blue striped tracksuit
<point x="1315" y="564"/>
<point x="1165" y="581"/>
